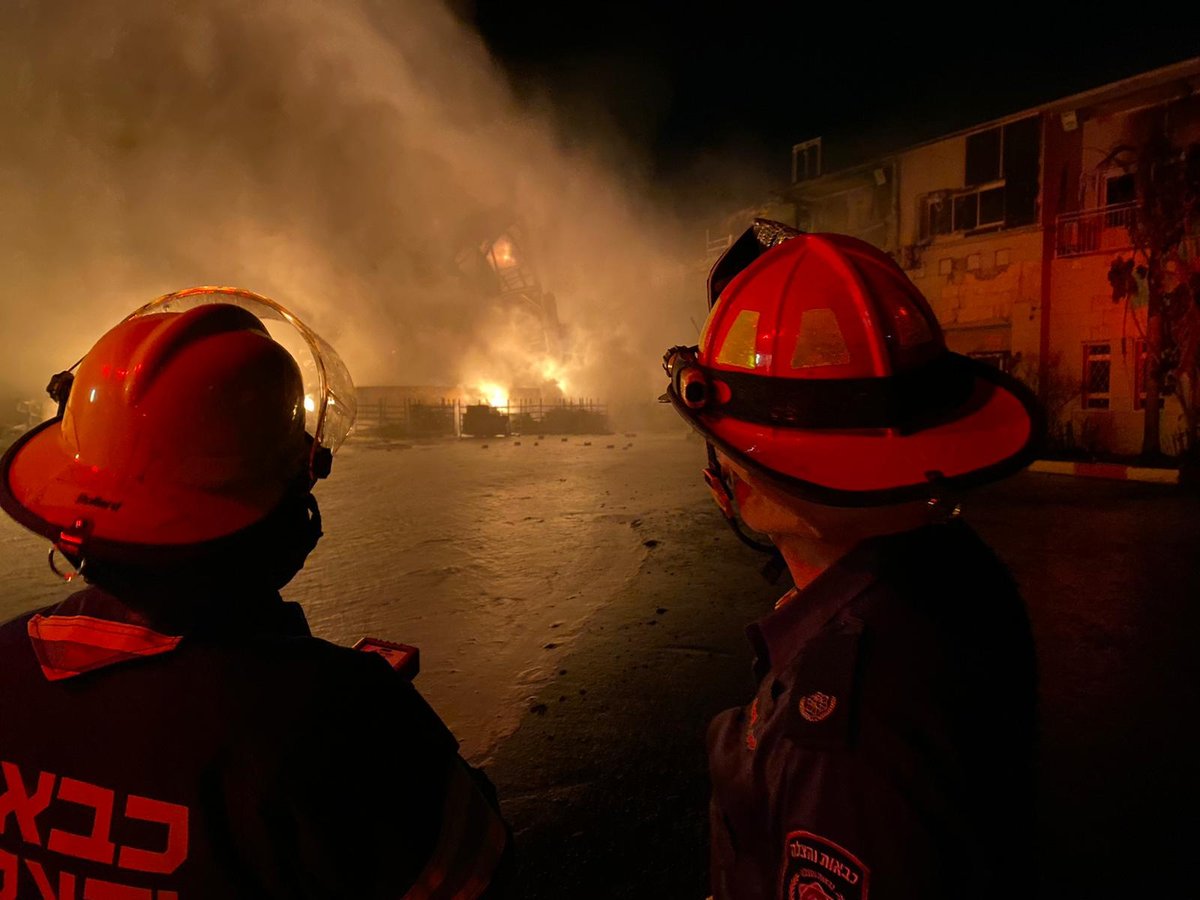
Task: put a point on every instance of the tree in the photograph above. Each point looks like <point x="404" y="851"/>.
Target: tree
<point x="1164" y="269"/>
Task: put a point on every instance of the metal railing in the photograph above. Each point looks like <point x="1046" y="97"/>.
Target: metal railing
<point x="453" y="417"/>
<point x="1100" y="230"/>
<point x="715" y="245"/>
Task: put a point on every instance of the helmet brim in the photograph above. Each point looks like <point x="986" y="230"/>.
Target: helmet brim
<point x="47" y="491"/>
<point x="995" y="433"/>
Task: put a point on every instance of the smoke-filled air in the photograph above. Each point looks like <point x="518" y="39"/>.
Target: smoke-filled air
<point x="363" y="163"/>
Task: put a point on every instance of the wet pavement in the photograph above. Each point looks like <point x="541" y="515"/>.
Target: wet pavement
<point x="580" y="609"/>
<point x="606" y="782"/>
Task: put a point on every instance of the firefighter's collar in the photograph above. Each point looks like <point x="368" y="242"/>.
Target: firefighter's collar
<point x="779" y="636"/>
<point x="93" y="630"/>
<point x="801" y="614"/>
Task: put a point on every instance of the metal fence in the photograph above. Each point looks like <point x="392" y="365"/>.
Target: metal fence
<point x="1100" y="230"/>
<point x="453" y="418"/>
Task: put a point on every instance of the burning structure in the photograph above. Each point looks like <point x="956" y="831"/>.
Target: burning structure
<point x="500" y="267"/>
<point x="517" y="384"/>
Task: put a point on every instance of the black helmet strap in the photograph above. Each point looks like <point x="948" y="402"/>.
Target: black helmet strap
<point x="906" y="401"/>
<point x="723" y="494"/>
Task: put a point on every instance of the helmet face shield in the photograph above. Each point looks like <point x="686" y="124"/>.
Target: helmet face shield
<point x="330" y="404"/>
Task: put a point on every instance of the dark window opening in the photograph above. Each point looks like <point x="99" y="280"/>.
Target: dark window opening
<point x="1120" y="189"/>
<point x="1022" y="157"/>
<point x="991" y="207"/>
<point x="997" y="359"/>
<point x="983" y="157"/>
<point x="966" y="212"/>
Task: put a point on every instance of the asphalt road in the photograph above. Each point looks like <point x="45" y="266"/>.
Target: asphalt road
<point x="605" y="780"/>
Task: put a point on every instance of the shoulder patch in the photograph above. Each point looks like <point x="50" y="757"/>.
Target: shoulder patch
<point x="821" y="695"/>
<point x="815" y="868"/>
<point x="817" y="707"/>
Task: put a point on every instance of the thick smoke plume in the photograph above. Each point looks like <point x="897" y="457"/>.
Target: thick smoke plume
<point x="324" y="153"/>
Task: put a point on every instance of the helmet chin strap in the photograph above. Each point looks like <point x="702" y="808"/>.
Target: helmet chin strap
<point x="723" y="494"/>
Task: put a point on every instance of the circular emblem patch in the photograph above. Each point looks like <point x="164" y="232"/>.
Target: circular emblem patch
<point x="817" y="707"/>
<point x="810" y="891"/>
<point x="815" y="868"/>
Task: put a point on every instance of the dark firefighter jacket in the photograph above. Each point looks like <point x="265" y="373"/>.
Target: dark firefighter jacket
<point x="241" y="759"/>
<point x="888" y="752"/>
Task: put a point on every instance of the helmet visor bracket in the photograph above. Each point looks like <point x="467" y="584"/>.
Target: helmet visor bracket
<point x="688" y="378"/>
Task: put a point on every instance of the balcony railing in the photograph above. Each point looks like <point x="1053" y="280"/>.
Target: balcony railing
<point x="1100" y="230"/>
<point x="716" y="244"/>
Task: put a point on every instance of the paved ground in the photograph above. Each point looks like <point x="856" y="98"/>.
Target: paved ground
<point x="605" y="779"/>
<point x="592" y="599"/>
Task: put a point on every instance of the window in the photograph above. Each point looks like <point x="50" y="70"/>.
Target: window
<point x="1022" y="146"/>
<point x="937" y="216"/>
<point x="966" y="211"/>
<point x="1139" y="376"/>
<point x="983" y="156"/>
<point x="1097" y="372"/>
<point x="1001" y="178"/>
<point x="963" y="211"/>
<point x="1120" y="189"/>
<point x="997" y="359"/>
<point x="991" y="207"/>
<point x="806" y="160"/>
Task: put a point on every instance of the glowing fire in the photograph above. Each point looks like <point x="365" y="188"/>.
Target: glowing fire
<point x="492" y="394"/>
<point x="508" y="369"/>
<point x="502" y="253"/>
<point x="552" y="371"/>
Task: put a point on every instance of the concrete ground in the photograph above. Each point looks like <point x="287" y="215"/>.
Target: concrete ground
<point x="605" y="780"/>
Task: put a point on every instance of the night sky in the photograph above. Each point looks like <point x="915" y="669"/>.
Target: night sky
<point x="684" y="96"/>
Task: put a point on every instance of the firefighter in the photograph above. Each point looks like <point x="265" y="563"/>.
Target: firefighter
<point x="888" y="749"/>
<point x="173" y="729"/>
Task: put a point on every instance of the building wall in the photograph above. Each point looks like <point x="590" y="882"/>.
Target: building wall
<point x="1030" y="296"/>
<point x="990" y="291"/>
<point x="1082" y="312"/>
<point x="986" y="292"/>
<point x="985" y="288"/>
<point x="922" y="170"/>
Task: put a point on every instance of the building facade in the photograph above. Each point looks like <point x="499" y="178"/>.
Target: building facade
<point x="1010" y="229"/>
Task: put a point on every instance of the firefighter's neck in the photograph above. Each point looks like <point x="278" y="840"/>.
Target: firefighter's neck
<point x="807" y="556"/>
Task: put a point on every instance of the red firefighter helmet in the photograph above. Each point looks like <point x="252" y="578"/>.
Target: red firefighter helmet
<point x="822" y="367"/>
<point x="186" y="423"/>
